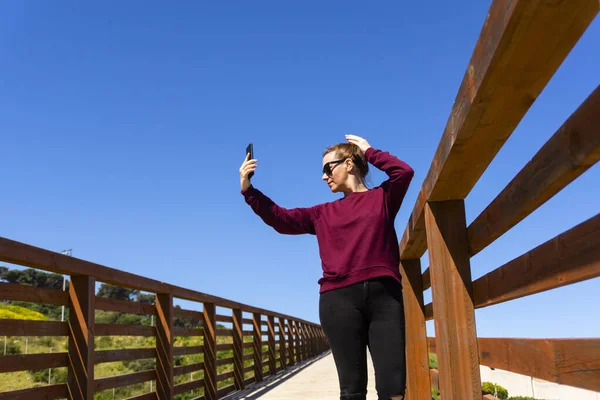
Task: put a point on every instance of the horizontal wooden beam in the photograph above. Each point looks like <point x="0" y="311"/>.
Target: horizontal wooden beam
<point x="570" y="257"/>
<point x="571" y="151"/>
<point x="16" y="327"/>
<point x="33" y="362"/>
<point x="26" y="255"/>
<point x="124" y="380"/>
<point x="50" y="392"/>
<point x="509" y="68"/>
<point x="186" y="369"/>
<point x="32" y="294"/>
<point x="573" y="362"/>
<point x="188" y="386"/>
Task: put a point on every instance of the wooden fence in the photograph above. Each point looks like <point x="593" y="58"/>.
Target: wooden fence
<point x="521" y="45"/>
<point x="288" y="340"/>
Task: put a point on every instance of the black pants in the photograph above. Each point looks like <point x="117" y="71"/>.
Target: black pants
<point x="369" y="314"/>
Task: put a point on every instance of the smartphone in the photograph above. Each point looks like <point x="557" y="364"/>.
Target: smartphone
<point x="250" y="150"/>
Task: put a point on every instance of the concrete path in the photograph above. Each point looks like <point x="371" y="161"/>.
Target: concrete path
<point x="310" y="380"/>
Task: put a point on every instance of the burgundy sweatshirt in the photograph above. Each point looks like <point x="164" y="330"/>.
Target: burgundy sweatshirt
<point x="356" y="234"/>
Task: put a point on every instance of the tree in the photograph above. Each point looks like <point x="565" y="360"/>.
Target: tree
<point x="116" y="292"/>
<point x="3" y="271"/>
<point x="145" y="298"/>
<point x="32" y="277"/>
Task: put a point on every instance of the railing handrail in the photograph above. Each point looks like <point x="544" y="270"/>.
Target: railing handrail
<point x="26" y="255"/>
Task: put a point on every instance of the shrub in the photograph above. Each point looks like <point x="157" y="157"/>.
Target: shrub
<point x="522" y="398"/>
<point x="495" y="389"/>
<point x="433" y="364"/>
<point x="12" y="348"/>
<point x="435" y="393"/>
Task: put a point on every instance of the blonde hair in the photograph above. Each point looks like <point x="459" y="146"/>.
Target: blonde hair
<point x="354" y="153"/>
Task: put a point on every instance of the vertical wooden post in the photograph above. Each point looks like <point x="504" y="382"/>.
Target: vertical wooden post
<point x="291" y="346"/>
<point x="238" y="349"/>
<point x="310" y="341"/>
<point x="210" y="352"/>
<point x="257" y="341"/>
<point x="282" y="341"/>
<point x="298" y="339"/>
<point x="164" y="346"/>
<point x="271" y="342"/>
<point x="417" y="357"/>
<point x="452" y="292"/>
<point x="82" y="295"/>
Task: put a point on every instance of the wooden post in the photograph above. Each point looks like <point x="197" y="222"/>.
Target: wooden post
<point x="164" y="346"/>
<point x="417" y="356"/>
<point x="210" y="352"/>
<point x="257" y="341"/>
<point x="271" y="341"/>
<point x="82" y="295"/>
<point x="291" y="346"/>
<point x="238" y="349"/>
<point x="298" y="335"/>
<point x="282" y="341"/>
<point x="453" y="306"/>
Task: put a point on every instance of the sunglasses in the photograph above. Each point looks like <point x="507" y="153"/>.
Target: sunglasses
<point x="327" y="170"/>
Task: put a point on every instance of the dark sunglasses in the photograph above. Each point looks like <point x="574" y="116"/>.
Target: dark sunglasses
<point x="327" y="170"/>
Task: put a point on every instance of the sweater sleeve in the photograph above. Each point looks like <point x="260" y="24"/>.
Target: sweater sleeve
<point x="400" y="175"/>
<point x="293" y="221"/>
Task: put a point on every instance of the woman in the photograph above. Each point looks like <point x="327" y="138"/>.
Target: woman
<point x="360" y="301"/>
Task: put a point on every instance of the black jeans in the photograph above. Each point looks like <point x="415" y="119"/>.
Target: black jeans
<point x="369" y="314"/>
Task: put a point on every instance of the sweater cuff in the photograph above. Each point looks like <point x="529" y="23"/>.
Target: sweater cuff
<point x="370" y="153"/>
<point x="248" y="192"/>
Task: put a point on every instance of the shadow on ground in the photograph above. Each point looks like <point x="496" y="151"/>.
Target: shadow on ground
<point x="255" y="390"/>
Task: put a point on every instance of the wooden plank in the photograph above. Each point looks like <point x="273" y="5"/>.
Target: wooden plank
<point x="223" y="318"/>
<point x="145" y="396"/>
<point x="164" y="346"/>
<point x="224" y="376"/>
<point x="124" y="330"/>
<point x="190" y="314"/>
<point x="573" y="149"/>
<point x="238" y="349"/>
<point x="186" y="369"/>
<point x="224" y="361"/>
<point x="417" y="360"/>
<point x="570" y="257"/>
<point x="223" y="332"/>
<point x="291" y="343"/>
<point x="80" y="379"/>
<point x="257" y="350"/>
<point x="50" y="392"/>
<point x="453" y="306"/>
<point x="32" y="294"/>
<point x="187" y="332"/>
<point x="434" y="376"/>
<point x="124" y="380"/>
<point x="508" y="69"/>
<point x="32" y="362"/>
<point x="104" y="356"/>
<point x="573" y="362"/>
<point x="426" y="279"/>
<point x="428" y="311"/>
<point x="124" y="306"/>
<point x="271" y="343"/>
<point x="210" y="352"/>
<point x="225" y="391"/>
<point x="15" y="327"/>
<point x="189" y="386"/>
<point x="186" y="350"/>
<point x="26" y="255"/>
<point x="224" y="347"/>
<point x="282" y="349"/>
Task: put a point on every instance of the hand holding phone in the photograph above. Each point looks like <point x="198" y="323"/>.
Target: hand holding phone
<point x="247" y="168"/>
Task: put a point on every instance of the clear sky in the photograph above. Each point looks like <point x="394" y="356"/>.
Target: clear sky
<point x="123" y="125"/>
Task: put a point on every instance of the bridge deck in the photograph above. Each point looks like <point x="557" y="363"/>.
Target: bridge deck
<point x="315" y="379"/>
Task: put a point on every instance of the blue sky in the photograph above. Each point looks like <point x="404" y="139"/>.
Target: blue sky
<point x="123" y="125"/>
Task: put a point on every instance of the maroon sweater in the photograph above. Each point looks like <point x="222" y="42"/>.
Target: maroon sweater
<point x="356" y="234"/>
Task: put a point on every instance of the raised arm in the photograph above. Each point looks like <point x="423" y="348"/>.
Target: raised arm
<point x="293" y="221"/>
<point x="400" y="173"/>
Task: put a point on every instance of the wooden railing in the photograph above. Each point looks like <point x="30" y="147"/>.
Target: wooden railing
<point x="521" y="45"/>
<point x="288" y="340"/>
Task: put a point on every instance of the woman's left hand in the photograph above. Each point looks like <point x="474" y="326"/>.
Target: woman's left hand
<point x="360" y="142"/>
